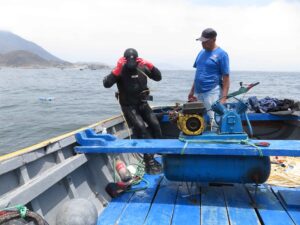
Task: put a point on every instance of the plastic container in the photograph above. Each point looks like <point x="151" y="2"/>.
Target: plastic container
<point x="123" y="172"/>
<point x="104" y="130"/>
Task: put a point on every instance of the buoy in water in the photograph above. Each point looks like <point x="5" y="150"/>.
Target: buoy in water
<point x="46" y="99"/>
<point x="77" y="212"/>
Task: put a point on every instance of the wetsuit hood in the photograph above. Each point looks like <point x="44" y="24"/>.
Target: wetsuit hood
<point x="131" y="55"/>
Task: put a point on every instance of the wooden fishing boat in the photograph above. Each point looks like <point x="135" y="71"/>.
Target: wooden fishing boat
<point x="45" y="176"/>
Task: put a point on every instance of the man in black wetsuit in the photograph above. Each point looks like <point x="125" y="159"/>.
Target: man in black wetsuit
<point x="131" y="75"/>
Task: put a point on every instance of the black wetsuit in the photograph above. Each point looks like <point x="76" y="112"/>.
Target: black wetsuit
<point x="132" y="86"/>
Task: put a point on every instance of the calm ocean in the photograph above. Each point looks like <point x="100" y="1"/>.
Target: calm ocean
<point x="38" y="104"/>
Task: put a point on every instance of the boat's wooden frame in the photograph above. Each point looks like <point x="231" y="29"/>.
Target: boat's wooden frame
<point x="46" y="175"/>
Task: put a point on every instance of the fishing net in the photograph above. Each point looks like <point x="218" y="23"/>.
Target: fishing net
<point x="285" y="171"/>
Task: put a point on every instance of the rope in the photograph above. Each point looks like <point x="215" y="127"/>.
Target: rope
<point x="242" y="142"/>
<point x="184" y="147"/>
<point x="20" y="208"/>
<point x="140" y="172"/>
<point x="139" y="176"/>
<point x="246" y="142"/>
<point x="140" y="169"/>
<point x="20" y="211"/>
<point x="141" y="188"/>
<point x="249" y="125"/>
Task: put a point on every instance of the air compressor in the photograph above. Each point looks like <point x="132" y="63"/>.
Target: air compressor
<point x="215" y="168"/>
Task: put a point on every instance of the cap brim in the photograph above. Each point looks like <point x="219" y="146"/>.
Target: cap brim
<point x="202" y="39"/>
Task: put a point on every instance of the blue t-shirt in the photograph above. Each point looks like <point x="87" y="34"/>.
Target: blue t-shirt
<point x="210" y="67"/>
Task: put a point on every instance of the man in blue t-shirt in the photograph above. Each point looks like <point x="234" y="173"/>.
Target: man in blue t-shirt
<point x="212" y="72"/>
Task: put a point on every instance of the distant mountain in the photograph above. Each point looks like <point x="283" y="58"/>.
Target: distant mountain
<point x="22" y="58"/>
<point x="18" y="52"/>
<point x="11" y="42"/>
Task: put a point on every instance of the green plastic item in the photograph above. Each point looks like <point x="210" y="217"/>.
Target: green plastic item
<point x="242" y="90"/>
<point x="21" y="208"/>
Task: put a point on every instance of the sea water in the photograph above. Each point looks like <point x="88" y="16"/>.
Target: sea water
<point x="38" y="104"/>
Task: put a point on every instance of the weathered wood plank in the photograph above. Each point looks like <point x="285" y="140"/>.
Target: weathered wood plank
<point x="163" y="205"/>
<point x="36" y="186"/>
<point x="112" y="214"/>
<point x="138" y="207"/>
<point x="113" y="211"/>
<point x="11" y="164"/>
<point x="187" y="208"/>
<point x="213" y="206"/>
<point x="293" y="211"/>
<point x="268" y="206"/>
<point x="239" y="206"/>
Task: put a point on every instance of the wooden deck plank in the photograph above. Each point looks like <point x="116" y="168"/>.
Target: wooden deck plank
<point x="269" y="207"/>
<point x="213" y="207"/>
<point x="239" y="206"/>
<point x="187" y="208"/>
<point x="162" y="208"/>
<point x="294" y="212"/>
<point x="138" y="207"/>
<point x="175" y="204"/>
<point x="113" y="211"/>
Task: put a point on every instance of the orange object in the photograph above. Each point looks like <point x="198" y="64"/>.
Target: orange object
<point x="124" y="174"/>
<point x="262" y="144"/>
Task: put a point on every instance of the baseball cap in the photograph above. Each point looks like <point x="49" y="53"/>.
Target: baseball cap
<point x="207" y="34"/>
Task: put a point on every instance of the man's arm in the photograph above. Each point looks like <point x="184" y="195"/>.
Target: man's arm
<point x="225" y="87"/>
<point x="112" y="78"/>
<point x="151" y="71"/>
<point x="154" y="74"/>
<point x="224" y="63"/>
<point x="191" y="94"/>
<point x="109" y="80"/>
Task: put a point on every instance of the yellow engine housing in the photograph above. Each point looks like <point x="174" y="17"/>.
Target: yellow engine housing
<point x="191" y="124"/>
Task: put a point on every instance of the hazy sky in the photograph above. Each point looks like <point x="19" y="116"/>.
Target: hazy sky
<point x="257" y="34"/>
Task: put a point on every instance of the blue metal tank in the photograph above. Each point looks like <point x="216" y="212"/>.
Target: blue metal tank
<point x="217" y="169"/>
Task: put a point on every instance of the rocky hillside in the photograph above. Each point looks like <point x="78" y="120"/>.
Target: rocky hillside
<point x="21" y="58"/>
<point x="18" y="52"/>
